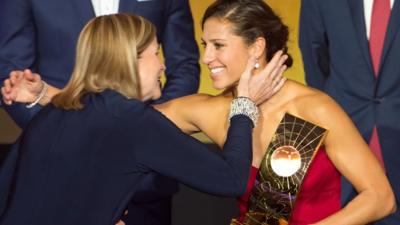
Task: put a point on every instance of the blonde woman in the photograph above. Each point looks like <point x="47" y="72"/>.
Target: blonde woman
<point x="84" y="156"/>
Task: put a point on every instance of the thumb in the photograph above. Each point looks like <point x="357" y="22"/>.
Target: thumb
<point x="29" y="76"/>
<point x="120" y="223"/>
<point x="36" y="78"/>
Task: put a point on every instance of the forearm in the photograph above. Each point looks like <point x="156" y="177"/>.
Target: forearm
<point x="48" y="96"/>
<point x="367" y="207"/>
<point x="191" y="162"/>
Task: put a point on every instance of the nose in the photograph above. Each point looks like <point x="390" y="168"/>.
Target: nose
<point x="208" y="55"/>
<point x="162" y="66"/>
<point x="161" y="63"/>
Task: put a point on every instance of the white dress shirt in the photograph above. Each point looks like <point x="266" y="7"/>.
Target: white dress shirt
<point x="105" y="7"/>
<point x="368" y="13"/>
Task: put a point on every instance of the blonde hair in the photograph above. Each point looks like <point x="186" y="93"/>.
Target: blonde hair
<point x="106" y="58"/>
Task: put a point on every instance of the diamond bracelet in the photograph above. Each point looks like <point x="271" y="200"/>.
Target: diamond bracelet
<point x="244" y="106"/>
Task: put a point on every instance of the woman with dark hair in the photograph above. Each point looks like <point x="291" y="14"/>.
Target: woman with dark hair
<point x="233" y="32"/>
<point x="84" y="156"/>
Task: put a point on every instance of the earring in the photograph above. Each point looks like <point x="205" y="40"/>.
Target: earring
<point x="257" y="65"/>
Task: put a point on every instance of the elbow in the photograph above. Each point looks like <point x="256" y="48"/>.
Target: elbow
<point x="386" y="201"/>
<point x="392" y="204"/>
<point x="394" y="208"/>
<point x="390" y="199"/>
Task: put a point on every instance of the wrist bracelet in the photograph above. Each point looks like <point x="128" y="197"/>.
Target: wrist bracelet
<point x="244" y="106"/>
<point x="40" y="96"/>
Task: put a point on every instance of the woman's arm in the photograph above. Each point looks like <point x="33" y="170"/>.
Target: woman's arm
<point x="352" y="157"/>
<point x="163" y="148"/>
<point x="26" y="87"/>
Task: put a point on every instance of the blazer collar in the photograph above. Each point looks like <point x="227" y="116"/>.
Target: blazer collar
<point x="357" y="12"/>
<point x="392" y="30"/>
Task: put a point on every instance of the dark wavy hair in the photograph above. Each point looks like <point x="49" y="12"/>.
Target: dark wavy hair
<point x="252" y="19"/>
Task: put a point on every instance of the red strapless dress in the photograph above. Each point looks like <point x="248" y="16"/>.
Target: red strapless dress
<point x="319" y="195"/>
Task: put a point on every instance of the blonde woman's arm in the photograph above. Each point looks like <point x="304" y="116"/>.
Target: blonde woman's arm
<point x="27" y="87"/>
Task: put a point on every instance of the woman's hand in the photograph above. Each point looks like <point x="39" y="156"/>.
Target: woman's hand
<point x="262" y="86"/>
<point x="120" y="223"/>
<point x="21" y="86"/>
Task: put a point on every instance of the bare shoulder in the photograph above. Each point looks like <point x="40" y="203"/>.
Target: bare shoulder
<point x="319" y="107"/>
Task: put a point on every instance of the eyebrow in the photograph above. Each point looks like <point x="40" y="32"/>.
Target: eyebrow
<point x="213" y="40"/>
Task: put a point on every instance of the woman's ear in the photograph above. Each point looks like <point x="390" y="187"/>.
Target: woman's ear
<point x="258" y="48"/>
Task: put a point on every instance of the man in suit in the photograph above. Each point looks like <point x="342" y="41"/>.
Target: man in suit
<point x="41" y="35"/>
<point x="351" y="50"/>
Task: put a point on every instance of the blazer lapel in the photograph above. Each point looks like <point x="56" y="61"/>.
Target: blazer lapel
<point x="357" y="13"/>
<point x="392" y="30"/>
<point x="85" y="9"/>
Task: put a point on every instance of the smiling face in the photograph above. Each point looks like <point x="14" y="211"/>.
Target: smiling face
<point x="150" y="68"/>
<point x="225" y="53"/>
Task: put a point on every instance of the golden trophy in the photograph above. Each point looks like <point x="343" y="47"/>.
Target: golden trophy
<point x="282" y="171"/>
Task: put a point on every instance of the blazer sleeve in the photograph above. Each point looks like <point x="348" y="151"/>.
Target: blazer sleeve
<point x="163" y="148"/>
<point x="180" y="51"/>
<point x="313" y="43"/>
<point x="17" y="48"/>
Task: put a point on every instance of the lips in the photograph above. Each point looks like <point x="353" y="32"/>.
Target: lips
<point x="216" y="70"/>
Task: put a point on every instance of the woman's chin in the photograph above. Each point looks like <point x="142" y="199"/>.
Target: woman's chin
<point x="151" y="97"/>
<point x="156" y="96"/>
<point x="220" y="85"/>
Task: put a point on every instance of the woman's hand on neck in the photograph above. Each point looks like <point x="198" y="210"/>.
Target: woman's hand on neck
<point x="263" y="82"/>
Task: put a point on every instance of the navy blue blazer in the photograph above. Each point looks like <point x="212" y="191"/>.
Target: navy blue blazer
<point x="83" y="167"/>
<point x="42" y="35"/>
<point x="336" y="59"/>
